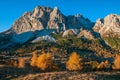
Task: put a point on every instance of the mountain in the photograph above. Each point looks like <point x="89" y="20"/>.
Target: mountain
<point x="38" y="24"/>
<point x="41" y="22"/>
<point x="108" y="26"/>
<point x="48" y="18"/>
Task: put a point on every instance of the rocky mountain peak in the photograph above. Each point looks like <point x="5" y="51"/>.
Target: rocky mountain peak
<point x="110" y="25"/>
<point x="57" y="20"/>
<point x="55" y="9"/>
<point x="48" y="18"/>
<point x="40" y="11"/>
<point x="40" y="18"/>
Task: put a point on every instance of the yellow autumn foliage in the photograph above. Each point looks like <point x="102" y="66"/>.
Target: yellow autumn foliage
<point x="33" y="62"/>
<point x="116" y="65"/>
<point x="74" y="62"/>
<point x="44" y="61"/>
<point x="103" y="65"/>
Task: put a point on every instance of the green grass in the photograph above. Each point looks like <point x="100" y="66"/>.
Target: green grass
<point x="113" y="42"/>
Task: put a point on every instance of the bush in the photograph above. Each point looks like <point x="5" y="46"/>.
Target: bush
<point x="15" y="63"/>
<point x="74" y="62"/>
<point x="21" y="63"/>
<point x="103" y="65"/>
<point x="94" y="65"/>
<point x="33" y="62"/>
<point x="55" y="67"/>
<point x="44" y="61"/>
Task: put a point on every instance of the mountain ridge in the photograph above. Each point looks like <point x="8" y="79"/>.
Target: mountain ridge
<point x="48" y="18"/>
<point x="108" y="26"/>
<point x="43" y="21"/>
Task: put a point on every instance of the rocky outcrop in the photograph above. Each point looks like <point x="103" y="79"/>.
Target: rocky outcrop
<point x="108" y="26"/>
<point x="70" y="32"/>
<point x="85" y="34"/>
<point x="44" y="38"/>
<point x="78" y="21"/>
<point x="57" y="20"/>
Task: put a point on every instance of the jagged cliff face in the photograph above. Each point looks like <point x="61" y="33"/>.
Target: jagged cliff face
<point x="48" y="18"/>
<point x="78" y="21"/>
<point x="32" y="21"/>
<point x="40" y="18"/>
<point x="85" y="34"/>
<point x="109" y="26"/>
<point x="57" y="20"/>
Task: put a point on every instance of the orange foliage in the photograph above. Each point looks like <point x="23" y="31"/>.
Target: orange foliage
<point x="44" y="61"/>
<point x="116" y="65"/>
<point x="103" y="65"/>
<point x="21" y="63"/>
<point x="74" y="62"/>
<point x="34" y="60"/>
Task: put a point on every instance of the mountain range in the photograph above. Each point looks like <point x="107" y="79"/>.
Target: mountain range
<point x="38" y="24"/>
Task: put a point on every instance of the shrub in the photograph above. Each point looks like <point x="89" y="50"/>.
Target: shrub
<point x="94" y="65"/>
<point x="15" y="63"/>
<point x="21" y="63"/>
<point x="116" y="65"/>
<point x="74" y="62"/>
<point x="103" y="65"/>
<point x="44" y="61"/>
<point x="55" y="67"/>
<point x="33" y="62"/>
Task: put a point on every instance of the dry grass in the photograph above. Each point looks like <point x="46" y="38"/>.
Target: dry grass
<point x="11" y="73"/>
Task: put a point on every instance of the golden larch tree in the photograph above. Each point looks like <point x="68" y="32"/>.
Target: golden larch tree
<point x="116" y="65"/>
<point x="74" y="62"/>
<point x="33" y="62"/>
<point x="44" y="61"/>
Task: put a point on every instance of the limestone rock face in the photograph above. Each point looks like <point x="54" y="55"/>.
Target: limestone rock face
<point x="86" y="34"/>
<point x="57" y="20"/>
<point x="48" y="18"/>
<point x="31" y="21"/>
<point x="108" y="26"/>
<point x="70" y="32"/>
<point x="78" y="21"/>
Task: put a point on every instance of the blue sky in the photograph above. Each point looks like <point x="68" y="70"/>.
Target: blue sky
<point x="10" y="10"/>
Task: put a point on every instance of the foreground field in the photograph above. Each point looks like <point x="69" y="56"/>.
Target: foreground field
<point x="72" y="76"/>
<point x="10" y="73"/>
